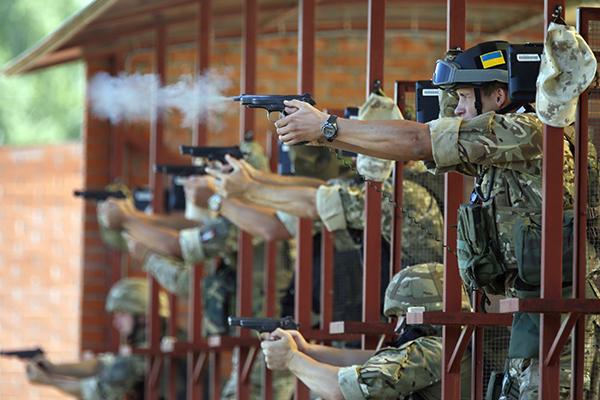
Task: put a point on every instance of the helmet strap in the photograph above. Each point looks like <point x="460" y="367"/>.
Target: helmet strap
<point x="478" y="105"/>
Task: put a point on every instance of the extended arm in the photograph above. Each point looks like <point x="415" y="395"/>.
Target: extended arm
<point x="337" y="357"/>
<point x="173" y="220"/>
<point x="296" y="200"/>
<point x="254" y="219"/>
<point x="159" y="239"/>
<point x="270" y="178"/>
<point x="281" y="352"/>
<point x="70" y="386"/>
<point x="319" y="377"/>
<point x="82" y="369"/>
<point x="395" y="140"/>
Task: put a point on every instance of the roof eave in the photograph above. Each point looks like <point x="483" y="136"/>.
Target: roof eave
<point x="45" y="52"/>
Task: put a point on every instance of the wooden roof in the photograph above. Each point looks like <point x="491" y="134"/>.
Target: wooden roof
<point x="105" y="26"/>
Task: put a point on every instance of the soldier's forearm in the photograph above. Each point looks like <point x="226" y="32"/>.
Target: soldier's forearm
<point x="319" y="377"/>
<point x="337" y="357"/>
<point x="174" y="220"/>
<point x="68" y="386"/>
<point x="295" y="200"/>
<point x="283" y="180"/>
<point x="159" y="239"/>
<point x="400" y="140"/>
<point x="254" y="219"/>
<point x="81" y="369"/>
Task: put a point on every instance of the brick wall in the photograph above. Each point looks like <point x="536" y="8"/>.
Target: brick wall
<point x="40" y="258"/>
<point x="340" y="82"/>
<point x="340" y="65"/>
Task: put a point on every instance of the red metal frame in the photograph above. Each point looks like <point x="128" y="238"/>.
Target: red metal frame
<point x="396" y="245"/>
<point x="196" y="360"/>
<point x="116" y="172"/>
<point x="156" y="185"/>
<point x="306" y="83"/>
<point x="245" y="248"/>
<point x="552" y="216"/>
<point x="580" y="224"/>
<point x="327" y="274"/>
<point x="456" y="14"/>
<point x="372" y="234"/>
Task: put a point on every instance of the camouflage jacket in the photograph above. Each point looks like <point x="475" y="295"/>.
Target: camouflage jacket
<point x="341" y="206"/>
<point x="118" y="376"/>
<point x="217" y="237"/>
<point x="505" y="153"/>
<point x="397" y="373"/>
<point x="219" y="285"/>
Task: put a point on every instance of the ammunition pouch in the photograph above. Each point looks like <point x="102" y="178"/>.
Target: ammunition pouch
<point x="527" y="234"/>
<point x="478" y="263"/>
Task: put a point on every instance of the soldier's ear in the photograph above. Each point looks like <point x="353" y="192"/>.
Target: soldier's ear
<point x="501" y="97"/>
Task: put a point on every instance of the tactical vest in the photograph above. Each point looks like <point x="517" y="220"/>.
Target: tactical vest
<point x="499" y="244"/>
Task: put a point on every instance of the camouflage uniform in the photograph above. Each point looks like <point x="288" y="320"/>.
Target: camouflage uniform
<point x="505" y="152"/>
<point x="121" y="375"/>
<point x="340" y="204"/>
<point x="413" y="367"/>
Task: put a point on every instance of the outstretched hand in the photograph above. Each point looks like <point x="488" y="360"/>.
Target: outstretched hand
<point x="112" y="213"/>
<point x="302" y="124"/>
<point x="137" y="249"/>
<point x="279" y="349"/>
<point x="198" y="189"/>
<point x="234" y="183"/>
<point x="35" y="374"/>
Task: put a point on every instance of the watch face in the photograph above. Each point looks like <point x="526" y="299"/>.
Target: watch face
<point x="329" y="130"/>
<point x="214" y="203"/>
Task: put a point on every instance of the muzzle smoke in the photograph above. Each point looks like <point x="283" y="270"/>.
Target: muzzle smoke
<point x="137" y="97"/>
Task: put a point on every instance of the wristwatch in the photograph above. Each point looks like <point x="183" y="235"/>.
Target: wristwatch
<point x="329" y="129"/>
<point x="215" y="202"/>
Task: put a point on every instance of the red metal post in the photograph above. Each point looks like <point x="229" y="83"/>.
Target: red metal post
<point x="306" y="83"/>
<point x="372" y="233"/>
<point x="244" y="267"/>
<point x="580" y="227"/>
<point x="326" y="278"/>
<point x="195" y="306"/>
<point x="456" y="14"/>
<point x="156" y="185"/>
<point x="552" y="216"/>
<point x="270" y="288"/>
<point x="116" y="172"/>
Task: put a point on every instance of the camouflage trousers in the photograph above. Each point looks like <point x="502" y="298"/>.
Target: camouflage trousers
<point x="283" y="381"/>
<point x="524" y="372"/>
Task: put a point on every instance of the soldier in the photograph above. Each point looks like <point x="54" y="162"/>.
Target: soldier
<point x="108" y="376"/>
<point x="410" y="366"/>
<point x="169" y="254"/>
<point x="338" y="204"/>
<point x="486" y="139"/>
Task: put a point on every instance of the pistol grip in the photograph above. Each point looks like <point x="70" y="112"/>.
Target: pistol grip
<point x="269" y="113"/>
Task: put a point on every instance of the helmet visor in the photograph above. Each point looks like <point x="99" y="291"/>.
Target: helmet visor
<point x="448" y="74"/>
<point x="444" y="73"/>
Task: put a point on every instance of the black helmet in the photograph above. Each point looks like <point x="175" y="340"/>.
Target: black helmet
<point x="484" y="63"/>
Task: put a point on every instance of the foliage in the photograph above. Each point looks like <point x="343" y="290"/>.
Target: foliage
<point x="44" y="106"/>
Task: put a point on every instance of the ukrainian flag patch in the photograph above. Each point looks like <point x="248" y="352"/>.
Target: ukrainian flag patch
<point x="489" y="60"/>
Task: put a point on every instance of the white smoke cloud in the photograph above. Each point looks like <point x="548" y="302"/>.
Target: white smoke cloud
<point x="139" y="97"/>
<point x="124" y="97"/>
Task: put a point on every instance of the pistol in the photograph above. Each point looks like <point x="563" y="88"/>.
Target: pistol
<point x="180" y="170"/>
<point x="99" y="195"/>
<point x="25" y="354"/>
<point x="212" y="153"/>
<point x="271" y="103"/>
<point x="263" y="324"/>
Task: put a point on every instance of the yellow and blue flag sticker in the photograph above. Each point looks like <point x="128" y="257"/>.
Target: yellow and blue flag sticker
<point x="491" y="59"/>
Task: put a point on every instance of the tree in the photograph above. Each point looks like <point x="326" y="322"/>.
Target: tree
<point x="40" y="107"/>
